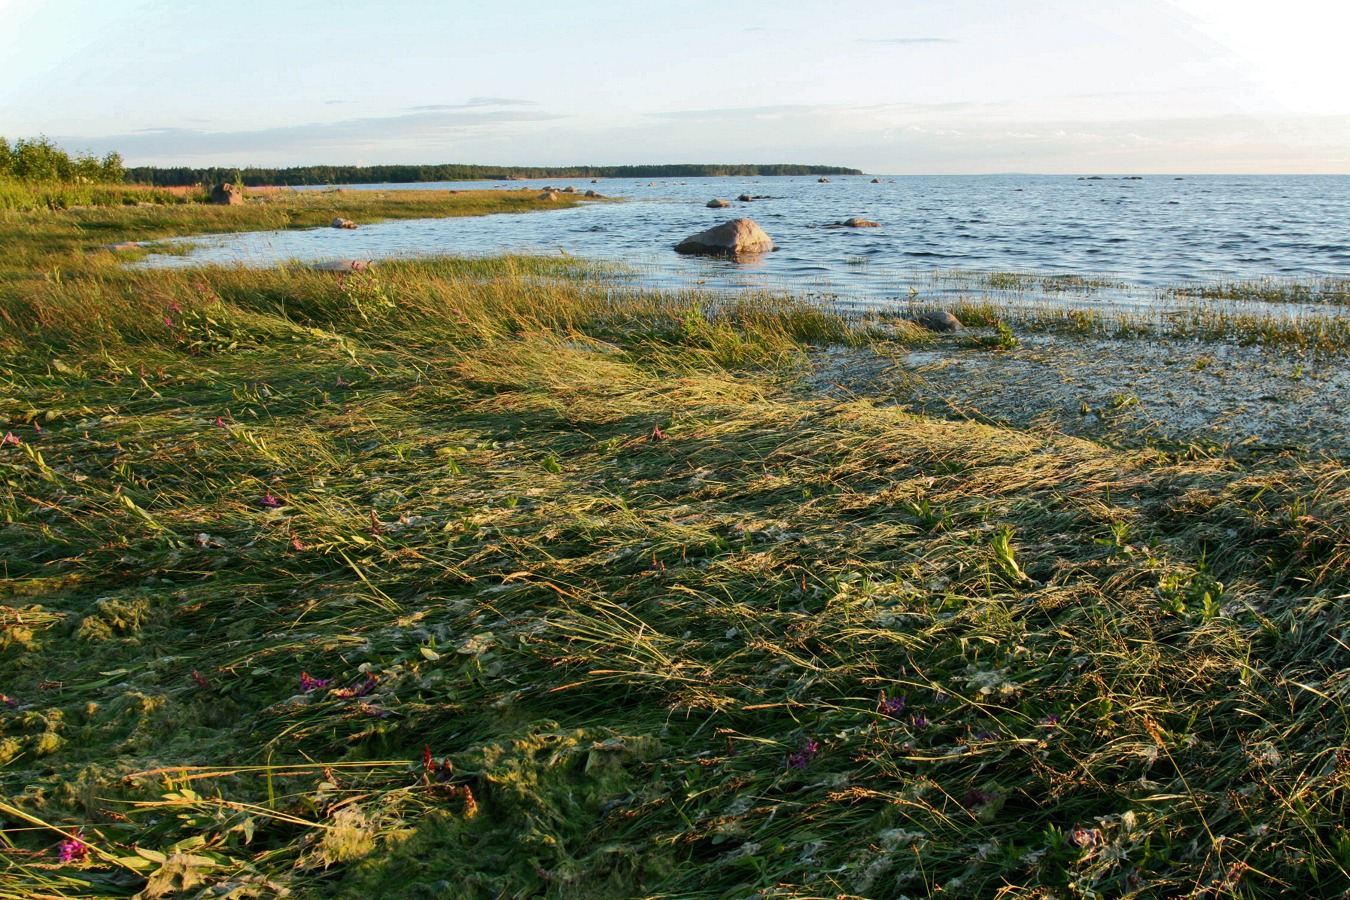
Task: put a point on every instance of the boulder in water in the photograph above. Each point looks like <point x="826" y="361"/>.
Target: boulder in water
<point x="717" y="204"/>
<point x="340" y="222"/>
<point x="739" y="237"/>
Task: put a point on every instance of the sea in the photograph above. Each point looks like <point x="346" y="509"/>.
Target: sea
<point x="1134" y="239"/>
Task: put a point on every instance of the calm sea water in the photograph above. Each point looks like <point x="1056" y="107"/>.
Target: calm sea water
<point x="1146" y="232"/>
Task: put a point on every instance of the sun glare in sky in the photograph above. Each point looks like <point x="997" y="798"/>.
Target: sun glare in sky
<point x="925" y="86"/>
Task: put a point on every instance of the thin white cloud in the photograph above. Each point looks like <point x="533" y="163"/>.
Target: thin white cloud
<point x="318" y="142"/>
<point x="903" y="41"/>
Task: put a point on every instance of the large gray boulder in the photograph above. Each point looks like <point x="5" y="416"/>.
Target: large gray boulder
<point x="739" y="237"/>
<point x="227" y="194"/>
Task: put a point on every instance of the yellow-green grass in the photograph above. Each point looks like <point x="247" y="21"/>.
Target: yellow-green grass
<point x="609" y="603"/>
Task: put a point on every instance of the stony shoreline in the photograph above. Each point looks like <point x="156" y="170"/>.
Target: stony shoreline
<point x="1245" y="399"/>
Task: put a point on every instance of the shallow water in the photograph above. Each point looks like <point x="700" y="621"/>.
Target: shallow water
<point x="937" y="230"/>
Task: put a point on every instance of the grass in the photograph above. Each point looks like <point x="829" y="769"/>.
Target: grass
<point x="487" y="579"/>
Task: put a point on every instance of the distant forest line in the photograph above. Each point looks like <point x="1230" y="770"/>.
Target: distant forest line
<point x="177" y="176"/>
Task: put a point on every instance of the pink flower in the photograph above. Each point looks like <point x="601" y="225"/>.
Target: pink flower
<point x="309" y="684"/>
<point x="168" y="323"/>
<point x="9" y="438"/>
<point x="73" y="849"/>
<point x="802" y="759"/>
<point x="220" y="423"/>
<point x="270" y="502"/>
<point x="174" y="307"/>
<point x="658" y="434"/>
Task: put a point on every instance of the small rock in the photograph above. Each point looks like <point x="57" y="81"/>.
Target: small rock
<point x="595" y="181"/>
<point x="593" y="194"/>
<point x="876" y="181"/>
<point x="717" y="204"/>
<point x="745" y="198"/>
<point x="340" y="222"/>
<point x="569" y="190"/>
<point x="736" y="238"/>
<point x="937" y="320"/>
<point x="343" y="265"/>
<point x="823" y="180"/>
<point x="548" y="195"/>
<point x="856" y="222"/>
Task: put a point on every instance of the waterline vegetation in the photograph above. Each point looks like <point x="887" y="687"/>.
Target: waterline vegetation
<point x="495" y="578"/>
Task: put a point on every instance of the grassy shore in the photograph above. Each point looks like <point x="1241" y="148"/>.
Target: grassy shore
<point x="488" y="578"/>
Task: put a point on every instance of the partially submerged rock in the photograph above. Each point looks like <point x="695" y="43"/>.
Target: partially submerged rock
<point x="856" y="222"/>
<point x="343" y="265"/>
<point x="121" y="246"/>
<point x="876" y="181"/>
<point x="938" y="320"/>
<point x="717" y="203"/>
<point x="745" y="198"/>
<point x="739" y="237"/>
<point x="823" y="180"/>
<point x="340" y="222"/>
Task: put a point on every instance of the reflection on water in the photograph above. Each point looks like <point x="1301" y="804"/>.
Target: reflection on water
<point x="1128" y="237"/>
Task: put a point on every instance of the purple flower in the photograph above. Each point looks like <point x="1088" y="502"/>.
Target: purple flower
<point x="1051" y="719"/>
<point x="892" y="706"/>
<point x="987" y="736"/>
<point x="802" y="759"/>
<point x="359" y="689"/>
<point x="918" y="722"/>
<point x="309" y="684"/>
<point x="73" y="849"/>
<point x="270" y="502"/>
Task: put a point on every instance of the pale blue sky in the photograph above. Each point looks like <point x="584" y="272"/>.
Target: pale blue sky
<point x="907" y="86"/>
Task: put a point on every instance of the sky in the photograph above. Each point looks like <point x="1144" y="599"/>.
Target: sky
<point x="893" y="87"/>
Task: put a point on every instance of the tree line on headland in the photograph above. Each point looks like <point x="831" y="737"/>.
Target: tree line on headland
<point x="175" y="176"/>
<point x="39" y="161"/>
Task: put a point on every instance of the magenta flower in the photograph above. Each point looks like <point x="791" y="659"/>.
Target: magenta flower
<point x="9" y="438"/>
<point x="802" y="759"/>
<point x="174" y="307"/>
<point x="892" y="706"/>
<point x="220" y="423"/>
<point x="73" y="849"/>
<point x="270" y="502"/>
<point x="37" y="429"/>
<point x="168" y="323"/>
<point x="658" y="434"/>
<point x="309" y="684"/>
<point x="342" y="382"/>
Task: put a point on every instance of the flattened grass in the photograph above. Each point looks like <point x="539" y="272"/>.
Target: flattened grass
<point x="490" y="579"/>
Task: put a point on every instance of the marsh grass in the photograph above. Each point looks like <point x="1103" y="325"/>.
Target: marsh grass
<point x="525" y="585"/>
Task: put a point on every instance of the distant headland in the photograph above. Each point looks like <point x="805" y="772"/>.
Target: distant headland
<point x="173" y="176"/>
